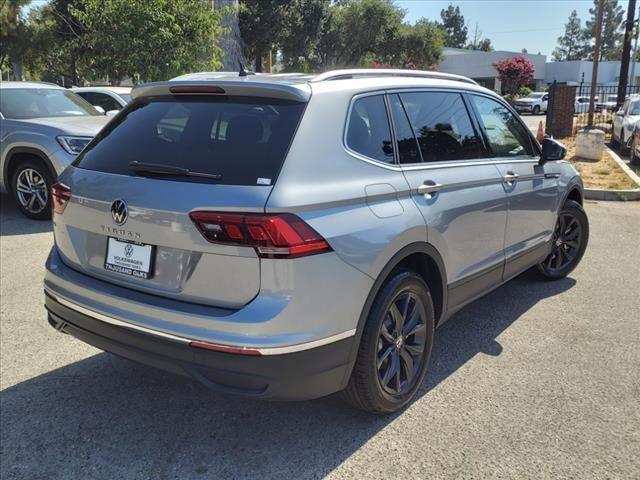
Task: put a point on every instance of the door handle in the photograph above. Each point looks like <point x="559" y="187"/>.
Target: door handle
<point x="510" y="177"/>
<point x="429" y="187"/>
<point x="551" y="175"/>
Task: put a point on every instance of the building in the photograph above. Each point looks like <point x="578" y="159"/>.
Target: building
<point x="478" y="65"/>
<point x="579" y="72"/>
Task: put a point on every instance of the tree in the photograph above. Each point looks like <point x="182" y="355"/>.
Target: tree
<point x="478" y="43"/>
<point x="611" y="36"/>
<point x="369" y="30"/>
<point x="152" y="39"/>
<point x="261" y="25"/>
<point x="514" y="73"/>
<point x="484" y="45"/>
<point x="571" y="45"/>
<point x="453" y="25"/>
<point x="422" y="44"/>
<point x="13" y="33"/>
<point x="301" y="31"/>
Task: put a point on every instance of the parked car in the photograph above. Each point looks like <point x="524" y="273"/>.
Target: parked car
<point x="582" y="104"/>
<point x="610" y="104"/>
<point x="291" y="237"/>
<point x="624" y="121"/>
<point x="634" y="145"/>
<point x="534" y="103"/>
<point x="43" y="128"/>
<point x="110" y="99"/>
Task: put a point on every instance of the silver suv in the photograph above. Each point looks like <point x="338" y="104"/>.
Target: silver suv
<point x="291" y="236"/>
<point x="43" y="127"/>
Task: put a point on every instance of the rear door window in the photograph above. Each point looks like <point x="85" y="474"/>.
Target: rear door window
<point x="442" y="126"/>
<point x="408" y="148"/>
<point x="243" y="139"/>
<point x="368" y="132"/>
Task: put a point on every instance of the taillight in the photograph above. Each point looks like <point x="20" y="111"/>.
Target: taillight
<point x="60" y="196"/>
<point x="281" y="235"/>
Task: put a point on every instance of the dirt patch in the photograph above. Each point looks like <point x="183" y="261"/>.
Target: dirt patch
<point x="605" y="173"/>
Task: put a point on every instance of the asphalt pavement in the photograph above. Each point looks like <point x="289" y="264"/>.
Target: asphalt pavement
<point x="536" y="380"/>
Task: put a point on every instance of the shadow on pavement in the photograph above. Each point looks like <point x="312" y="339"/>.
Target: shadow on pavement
<point x="105" y="417"/>
<point x="12" y="222"/>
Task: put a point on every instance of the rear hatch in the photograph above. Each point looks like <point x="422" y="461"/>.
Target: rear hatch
<point x="126" y="215"/>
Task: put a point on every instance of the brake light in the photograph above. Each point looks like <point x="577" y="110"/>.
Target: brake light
<point x="198" y="89"/>
<point x="60" y="196"/>
<point x="281" y="235"/>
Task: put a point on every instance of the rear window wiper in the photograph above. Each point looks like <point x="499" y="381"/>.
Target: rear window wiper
<point x="169" y="170"/>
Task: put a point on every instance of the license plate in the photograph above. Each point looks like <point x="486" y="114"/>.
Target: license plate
<point x="129" y="258"/>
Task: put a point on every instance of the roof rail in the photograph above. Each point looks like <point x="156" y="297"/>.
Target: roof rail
<point x="383" y="72"/>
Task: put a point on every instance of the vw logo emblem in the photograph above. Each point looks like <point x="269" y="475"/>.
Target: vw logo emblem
<point x="128" y="251"/>
<point x="119" y="212"/>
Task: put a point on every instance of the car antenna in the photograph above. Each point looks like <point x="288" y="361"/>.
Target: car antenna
<point x="243" y="72"/>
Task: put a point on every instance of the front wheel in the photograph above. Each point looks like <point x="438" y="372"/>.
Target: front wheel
<point x="395" y="348"/>
<point x="536" y="110"/>
<point x="635" y="160"/>
<point x="570" y="238"/>
<point x="30" y="185"/>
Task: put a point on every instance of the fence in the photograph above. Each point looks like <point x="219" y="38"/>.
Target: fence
<point x="605" y="105"/>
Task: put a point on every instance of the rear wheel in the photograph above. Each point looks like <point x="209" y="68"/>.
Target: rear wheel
<point x="395" y="347"/>
<point x="30" y="185"/>
<point x="570" y="239"/>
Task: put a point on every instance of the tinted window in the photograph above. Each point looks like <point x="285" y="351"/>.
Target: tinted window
<point x="43" y="102"/>
<point x="442" y="125"/>
<point x="242" y="139"/>
<point x="505" y="134"/>
<point x="408" y="149"/>
<point x="368" y="132"/>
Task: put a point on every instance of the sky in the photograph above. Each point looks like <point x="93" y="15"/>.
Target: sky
<point x="510" y="24"/>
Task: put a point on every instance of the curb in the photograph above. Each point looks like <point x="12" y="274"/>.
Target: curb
<point x="616" y="195"/>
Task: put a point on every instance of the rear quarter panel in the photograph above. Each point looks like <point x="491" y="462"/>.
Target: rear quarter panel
<point x="362" y="209"/>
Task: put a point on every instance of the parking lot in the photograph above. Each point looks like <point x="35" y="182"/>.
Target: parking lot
<point x="536" y="380"/>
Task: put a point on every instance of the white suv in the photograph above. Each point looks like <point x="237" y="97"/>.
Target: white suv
<point x="534" y="103"/>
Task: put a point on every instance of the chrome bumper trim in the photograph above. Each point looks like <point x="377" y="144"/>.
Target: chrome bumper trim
<point x="263" y="351"/>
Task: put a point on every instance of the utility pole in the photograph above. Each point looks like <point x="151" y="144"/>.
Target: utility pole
<point x="635" y="49"/>
<point x="626" y="50"/>
<point x="596" y="57"/>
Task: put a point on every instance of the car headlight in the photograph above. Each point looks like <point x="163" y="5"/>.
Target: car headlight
<point x="73" y="145"/>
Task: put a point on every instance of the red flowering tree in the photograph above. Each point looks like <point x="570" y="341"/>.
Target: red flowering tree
<point x="514" y="73"/>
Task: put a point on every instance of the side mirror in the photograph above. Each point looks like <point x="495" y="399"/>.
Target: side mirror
<point x="552" y="151"/>
<point x="99" y="109"/>
<point x="112" y="113"/>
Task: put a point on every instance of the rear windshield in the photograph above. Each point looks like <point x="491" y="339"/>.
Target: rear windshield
<point x="241" y="139"/>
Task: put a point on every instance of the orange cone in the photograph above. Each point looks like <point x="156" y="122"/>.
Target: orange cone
<point x="540" y="134"/>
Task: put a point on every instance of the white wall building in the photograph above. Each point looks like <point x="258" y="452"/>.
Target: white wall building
<point x="479" y="65"/>
<point x="575" y="72"/>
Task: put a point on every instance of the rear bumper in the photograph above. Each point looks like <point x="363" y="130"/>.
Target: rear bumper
<point x="302" y="375"/>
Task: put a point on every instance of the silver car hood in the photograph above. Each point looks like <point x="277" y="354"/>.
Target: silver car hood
<point x="85" y="125"/>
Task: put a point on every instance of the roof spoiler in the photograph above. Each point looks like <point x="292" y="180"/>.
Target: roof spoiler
<point x="239" y="86"/>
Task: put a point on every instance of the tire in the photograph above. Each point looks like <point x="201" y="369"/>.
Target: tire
<point x="381" y="348"/>
<point x="570" y="241"/>
<point x="536" y="110"/>
<point x="635" y="160"/>
<point x="622" y="146"/>
<point x="614" y="143"/>
<point x="33" y="175"/>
